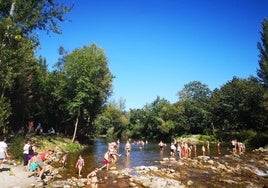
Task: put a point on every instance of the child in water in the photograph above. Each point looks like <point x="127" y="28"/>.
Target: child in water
<point x="79" y="165"/>
<point x="128" y="148"/>
<point x="106" y="160"/>
<point x="64" y="160"/>
<point x="92" y="178"/>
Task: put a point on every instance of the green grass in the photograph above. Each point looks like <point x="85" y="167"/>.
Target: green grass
<point x="43" y="143"/>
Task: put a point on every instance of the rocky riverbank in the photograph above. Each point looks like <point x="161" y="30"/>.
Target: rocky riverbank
<point x="248" y="170"/>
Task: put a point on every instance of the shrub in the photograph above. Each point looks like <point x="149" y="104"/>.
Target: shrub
<point x="259" y="140"/>
<point x="73" y="147"/>
<point x="16" y="147"/>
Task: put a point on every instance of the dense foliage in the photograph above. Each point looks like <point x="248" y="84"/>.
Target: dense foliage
<point x="234" y="111"/>
<point x="73" y="97"/>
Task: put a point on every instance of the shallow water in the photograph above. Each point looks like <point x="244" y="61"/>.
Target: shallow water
<point x="202" y="174"/>
<point x="146" y="155"/>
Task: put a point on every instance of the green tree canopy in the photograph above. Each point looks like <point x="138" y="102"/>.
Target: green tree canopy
<point x="262" y="72"/>
<point x="86" y="85"/>
<point x="194" y="91"/>
<point x="19" y="22"/>
<point x="238" y="106"/>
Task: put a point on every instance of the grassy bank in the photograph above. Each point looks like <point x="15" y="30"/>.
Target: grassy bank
<point x="196" y="139"/>
<point x="43" y="143"/>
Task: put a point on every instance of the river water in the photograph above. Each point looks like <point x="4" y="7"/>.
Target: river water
<point x="146" y="155"/>
<point x="149" y="154"/>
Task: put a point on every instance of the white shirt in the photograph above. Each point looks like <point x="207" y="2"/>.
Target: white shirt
<point x="26" y="148"/>
<point x="173" y="147"/>
<point x="3" y="146"/>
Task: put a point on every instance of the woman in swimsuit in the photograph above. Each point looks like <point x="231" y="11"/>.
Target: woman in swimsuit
<point x="79" y="165"/>
<point x="92" y="178"/>
<point x="161" y="145"/>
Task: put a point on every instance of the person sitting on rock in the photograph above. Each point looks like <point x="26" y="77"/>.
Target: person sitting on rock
<point x="32" y="166"/>
<point x="43" y="163"/>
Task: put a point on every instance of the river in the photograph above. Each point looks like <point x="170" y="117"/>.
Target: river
<point x="147" y="155"/>
<point x="150" y="154"/>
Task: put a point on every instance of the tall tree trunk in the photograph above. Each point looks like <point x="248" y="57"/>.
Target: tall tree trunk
<point x="12" y="8"/>
<point x="76" y="124"/>
<point x="213" y="128"/>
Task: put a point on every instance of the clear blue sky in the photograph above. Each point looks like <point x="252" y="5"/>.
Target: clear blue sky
<point x="155" y="47"/>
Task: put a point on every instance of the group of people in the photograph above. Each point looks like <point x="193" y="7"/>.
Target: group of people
<point x="35" y="128"/>
<point x="110" y="156"/>
<point x="184" y="150"/>
<point x="91" y="177"/>
<point x="238" y="147"/>
<point x="37" y="164"/>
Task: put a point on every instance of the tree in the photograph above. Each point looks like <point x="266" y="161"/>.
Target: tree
<point x="238" y="106"/>
<point x="112" y="121"/>
<point x="194" y="91"/>
<point x="262" y="72"/>
<point x="19" y="20"/>
<point x="195" y="97"/>
<point x="86" y="86"/>
<point x="156" y="120"/>
<point x="34" y="15"/>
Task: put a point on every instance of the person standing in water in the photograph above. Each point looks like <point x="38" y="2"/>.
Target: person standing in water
<point x="106" y="160"/>
<point x="161" y="145"/>
<point x="79" y="164"/>
<point x="128" y="148"/>
<point x="64" y="160"/>
<point x="203" y="150"/>
<point x="172" y="150"/>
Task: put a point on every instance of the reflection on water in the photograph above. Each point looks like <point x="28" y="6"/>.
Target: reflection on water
<point x="147" y="155"/>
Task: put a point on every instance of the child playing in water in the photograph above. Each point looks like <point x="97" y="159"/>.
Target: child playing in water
<point x="64" y="160"/>
<point x="203" y="150"/>
<point x="79" y="165"/>
<point x="92" y="178"/>
<point x="106" y="160"/>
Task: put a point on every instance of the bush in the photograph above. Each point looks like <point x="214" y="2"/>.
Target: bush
<point x="16" y="147"/>
<point x="247" y="135"/>
<point x="259" y="140"/>
<point x="73" y="147"/>
<point x="242" y="136"/>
